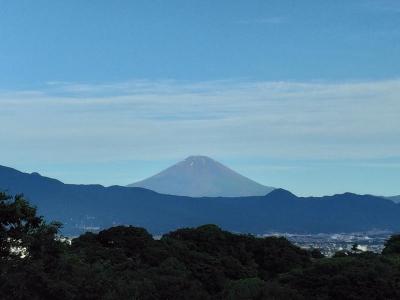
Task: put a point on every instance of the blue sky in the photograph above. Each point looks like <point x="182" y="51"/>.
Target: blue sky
<point x="303" y="95"/>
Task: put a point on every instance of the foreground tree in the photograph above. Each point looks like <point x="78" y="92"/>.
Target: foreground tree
<point x="191" y="263"/>
<point x="22" y="232"/>
<point x="392" y="246"/>
<point x="29" y="249"/>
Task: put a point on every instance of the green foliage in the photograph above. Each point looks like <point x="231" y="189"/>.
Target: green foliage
<point x="335" y="278"/>
<point x="243" y="289"/>
<point x="18" y="222"/>
<point x="392" y="246"/>
<point x="190" y="263"/>
<point x="316" y="253"/>
<point x="31" y="255"/>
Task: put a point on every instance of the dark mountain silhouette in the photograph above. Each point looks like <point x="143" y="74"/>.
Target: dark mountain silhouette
<point x="201" y="176"/>
<point x="394" y="199"/>
<point x="82" y="206"/>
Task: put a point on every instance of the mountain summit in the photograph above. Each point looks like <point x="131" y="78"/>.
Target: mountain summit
<point x="201" y="176"/>
<point x="80" y="207"/>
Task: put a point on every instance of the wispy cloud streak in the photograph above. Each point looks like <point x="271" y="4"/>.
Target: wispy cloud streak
<point x="142" y="119"/>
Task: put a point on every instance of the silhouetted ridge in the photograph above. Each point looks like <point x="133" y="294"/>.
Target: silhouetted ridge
<point x="395" y="199"/>
<point x="92" y="207"/>
<point x="280" y="194"/>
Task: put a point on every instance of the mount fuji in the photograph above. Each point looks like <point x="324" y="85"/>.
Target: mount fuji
<point x="87" y="207"/>
<point x="201" y="176"/>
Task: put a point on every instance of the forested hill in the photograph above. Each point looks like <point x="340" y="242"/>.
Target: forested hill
<point x="204" y="263"/>
<point x="83" y="206"/>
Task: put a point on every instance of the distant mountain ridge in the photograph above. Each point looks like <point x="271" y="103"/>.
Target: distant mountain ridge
<point x="201" y="176"/>
<point x="395" y="198"/>
<point x="81" y="207"/>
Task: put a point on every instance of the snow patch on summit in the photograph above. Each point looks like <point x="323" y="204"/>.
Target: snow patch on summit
<point x="201" y="176"/>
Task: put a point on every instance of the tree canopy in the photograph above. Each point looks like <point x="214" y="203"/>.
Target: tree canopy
<point x="126" y="262"/>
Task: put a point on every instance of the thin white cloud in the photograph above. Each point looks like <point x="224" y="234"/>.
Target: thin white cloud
<point x="170" y="119"/>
